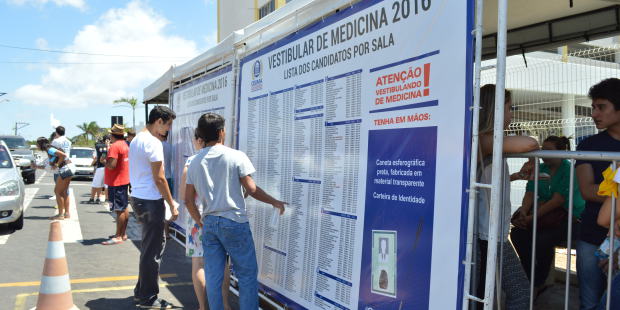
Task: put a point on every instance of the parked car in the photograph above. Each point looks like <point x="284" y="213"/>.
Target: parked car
<point x="20" y="150"/>
<point x="12" y="190"/>
<point x="83" y="157"/>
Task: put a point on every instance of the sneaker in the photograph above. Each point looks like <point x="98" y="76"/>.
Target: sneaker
<point x="90" y="201"/>
<point x="97" y="201"/>
<point x="157" y="304"/>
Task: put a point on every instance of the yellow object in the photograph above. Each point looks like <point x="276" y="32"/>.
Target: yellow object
<point x="608" y="187"/>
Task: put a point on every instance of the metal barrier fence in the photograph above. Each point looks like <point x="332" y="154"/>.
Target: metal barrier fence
<point x="572" y="156"/>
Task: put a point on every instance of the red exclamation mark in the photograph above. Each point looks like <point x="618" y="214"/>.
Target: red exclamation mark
<point x="427" y="78"/>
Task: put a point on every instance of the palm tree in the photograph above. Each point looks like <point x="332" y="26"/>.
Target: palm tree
<point x="133" y="102"/>
<point x="89" y="129"/>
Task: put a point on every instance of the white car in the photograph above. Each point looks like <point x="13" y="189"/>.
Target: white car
<point x="83" y="157"/>
<point x="12" y="190"/>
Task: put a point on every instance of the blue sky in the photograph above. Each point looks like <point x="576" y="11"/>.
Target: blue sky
<point x="150" y="35"/>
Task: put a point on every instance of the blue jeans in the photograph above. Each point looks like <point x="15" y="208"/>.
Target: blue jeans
<point x="591" y="277"/>
<point x="221" y="235"/>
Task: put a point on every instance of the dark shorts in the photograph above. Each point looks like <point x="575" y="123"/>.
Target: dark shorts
<point x="119" y="197"/>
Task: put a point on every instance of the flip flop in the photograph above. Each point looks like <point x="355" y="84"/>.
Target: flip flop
<point x="112" y="241"/>
<point x="67" y="216"/>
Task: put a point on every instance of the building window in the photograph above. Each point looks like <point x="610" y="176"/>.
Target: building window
<point x="266" y="8"/>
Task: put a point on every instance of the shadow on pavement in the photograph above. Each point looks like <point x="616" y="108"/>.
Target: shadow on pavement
<point x="43" y="197"/>
<point x="5" y="230"/>
<point x="96" y="241"/>
<point x="33" y="217"/>
<point x="111" y="303"/>
<point x="43" y="207"/>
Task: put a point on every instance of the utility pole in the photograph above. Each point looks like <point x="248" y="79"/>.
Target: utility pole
<point x="20" y="125"/>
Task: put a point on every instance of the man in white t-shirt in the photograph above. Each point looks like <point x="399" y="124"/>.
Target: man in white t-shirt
<point x="149" y="191"/>
<point x="217" y="174"/>
<point x="64" y="145"/>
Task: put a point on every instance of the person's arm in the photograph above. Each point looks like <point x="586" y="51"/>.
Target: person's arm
<point x="190" y="203"/>
<point x="587" y="187"/>
<point x="259" y="194"/>
<point x="511" y="145"/>
<point x="61" y="156"/>
<point x="604" y="214"/>
<point x="157" y="169"/>
<point x="111" y="160"/>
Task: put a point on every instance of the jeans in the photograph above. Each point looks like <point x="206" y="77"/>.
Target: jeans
<point x="150" y="213"/>
<point x="591" y="277"/>
<point x="615" y="295"/>
<point x="221" y="235"/>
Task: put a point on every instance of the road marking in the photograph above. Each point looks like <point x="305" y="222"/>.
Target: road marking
<point x="88" y="280"/>
<point x="71" y="231"/>
<point x="20" y="299"/>
<point x="28" y="196"/>
<point x="41" y="177"/>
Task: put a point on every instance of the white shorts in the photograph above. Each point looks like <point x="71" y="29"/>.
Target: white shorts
<point x="98" y="178"/>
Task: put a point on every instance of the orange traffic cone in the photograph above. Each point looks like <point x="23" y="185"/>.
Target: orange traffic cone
<point x="55" y="290"/>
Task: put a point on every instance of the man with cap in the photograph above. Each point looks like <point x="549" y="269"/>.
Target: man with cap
<point x="117" y="180"/>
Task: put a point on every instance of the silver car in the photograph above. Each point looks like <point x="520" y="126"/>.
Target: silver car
<point x="12" y="190"/>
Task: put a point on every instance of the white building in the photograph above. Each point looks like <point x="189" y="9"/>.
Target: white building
<point x="236" y="14"/>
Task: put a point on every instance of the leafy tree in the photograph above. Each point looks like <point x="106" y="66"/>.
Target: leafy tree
<point x="89" y="130"/>
<point x="132" y="102"/>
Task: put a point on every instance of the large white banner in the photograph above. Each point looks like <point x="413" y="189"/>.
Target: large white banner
<point x="361" y="123"/>
<point x="214" y="93"/>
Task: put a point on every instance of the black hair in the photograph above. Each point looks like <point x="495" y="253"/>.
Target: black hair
<point x="560" y="143"/>
<point x="608" y="89"/>
<point x="161" y="112"/>
<point x="60" y="130"/>
<point x="53" y="136"/>
<point x="118" y="137"/>
<point x="43" y="143"/>
<point x="209" y="127"/>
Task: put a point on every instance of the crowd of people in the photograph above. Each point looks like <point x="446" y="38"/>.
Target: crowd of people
<point x="134" y="169"/>
<point x="590" y="209"/>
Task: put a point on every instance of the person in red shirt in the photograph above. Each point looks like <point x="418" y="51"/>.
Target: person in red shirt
<point x="117" y="180"/>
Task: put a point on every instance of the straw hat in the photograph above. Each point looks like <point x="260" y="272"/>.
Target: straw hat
<point x="117" y="130"/>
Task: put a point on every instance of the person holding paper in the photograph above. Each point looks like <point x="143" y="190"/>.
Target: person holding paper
<point x="218" y="174"/>
<point x="149" y="190"/>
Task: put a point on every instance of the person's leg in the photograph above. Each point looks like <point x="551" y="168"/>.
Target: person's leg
<point x="123" y="220"/>
<point x="514" y="281"/>
<point x="591" y="278"/>
<point x="151" y="215"/>
<point x="198" y="278"/>
<point x="66" y="182"/>
<point x="214" y="261"/>
<point x="60" y="203"/>
<point x="120" y="200"/>
<point x="237" y="240"/>
<point x="522" y="241"/>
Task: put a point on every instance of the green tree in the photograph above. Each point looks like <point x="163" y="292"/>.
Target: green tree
<point x="133" y="103"/>
<point x="89" y="130"/>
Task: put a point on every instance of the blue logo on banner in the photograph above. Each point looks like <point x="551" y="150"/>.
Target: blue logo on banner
<point x="257" y="73"/>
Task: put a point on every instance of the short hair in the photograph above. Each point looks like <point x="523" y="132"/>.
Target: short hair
<point x="60" y="130"/>
<point x="161" y="112"/>
<point x="209" y="127"/>
<point x="608" y="89"/>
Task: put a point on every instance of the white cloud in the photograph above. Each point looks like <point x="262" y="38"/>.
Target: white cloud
<point x="41" y="43"/>
<point x="80" y="4"/>
<point x="133" y="30"/>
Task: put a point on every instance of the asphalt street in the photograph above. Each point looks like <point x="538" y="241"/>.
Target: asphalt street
<point x="102" y="276"/>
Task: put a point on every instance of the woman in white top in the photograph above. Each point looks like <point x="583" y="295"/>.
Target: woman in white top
<point x="193" y="243"/>
<point x="514" y="281"/>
